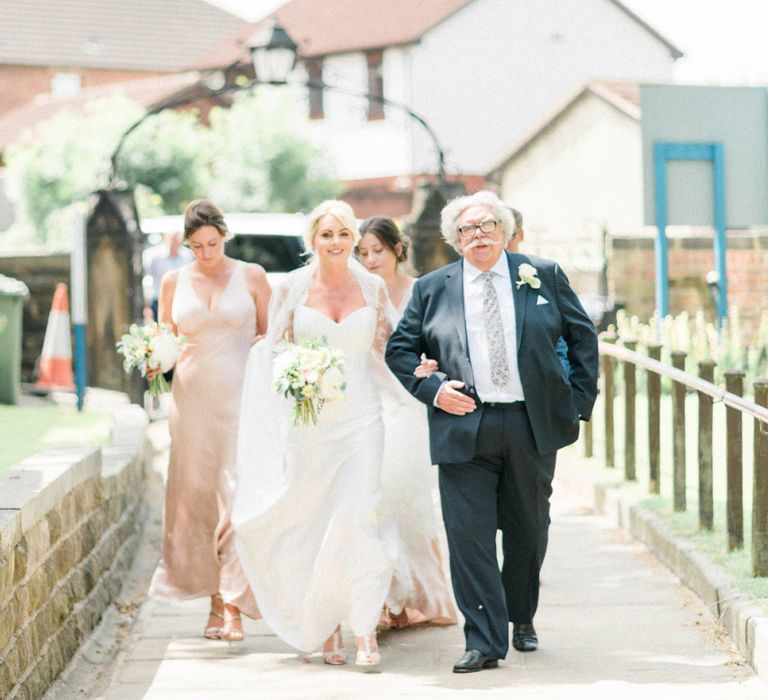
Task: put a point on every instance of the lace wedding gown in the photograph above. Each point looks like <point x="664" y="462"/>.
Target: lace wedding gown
<point x="409" y="479"/>
<point x="306" y="505"/>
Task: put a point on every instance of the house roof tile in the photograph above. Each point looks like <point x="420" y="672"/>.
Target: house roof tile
<point x="324" y="27"/>
<point x="145" y="92"/>
<point x="136" y="35"/>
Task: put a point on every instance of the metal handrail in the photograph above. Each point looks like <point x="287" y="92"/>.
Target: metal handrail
<point x="620" y="353"/>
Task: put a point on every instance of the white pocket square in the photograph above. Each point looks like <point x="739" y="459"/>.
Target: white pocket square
<point x="541" y="300"/>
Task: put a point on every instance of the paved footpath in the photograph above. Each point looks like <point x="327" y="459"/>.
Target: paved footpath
<point x="612" y="623"/>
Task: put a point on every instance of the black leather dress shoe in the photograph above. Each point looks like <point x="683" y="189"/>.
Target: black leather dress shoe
<point x="524" y="638"/>
<point x="474" y="661"/>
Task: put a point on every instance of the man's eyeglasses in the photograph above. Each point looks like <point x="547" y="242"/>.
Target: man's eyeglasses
<point x="484" y="226"/>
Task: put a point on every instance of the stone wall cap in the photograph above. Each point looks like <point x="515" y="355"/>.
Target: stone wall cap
<point x="36" y="485"/>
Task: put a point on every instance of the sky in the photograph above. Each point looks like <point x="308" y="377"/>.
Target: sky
<point x="725" y="41"/>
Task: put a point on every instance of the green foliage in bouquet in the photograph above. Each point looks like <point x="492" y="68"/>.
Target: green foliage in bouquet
<point x="311" y="373"/>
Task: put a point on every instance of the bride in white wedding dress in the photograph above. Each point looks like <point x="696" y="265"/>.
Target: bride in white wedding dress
<point x="305" y="511"/>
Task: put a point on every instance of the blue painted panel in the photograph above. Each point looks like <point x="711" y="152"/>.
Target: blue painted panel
<point x="737" y="117"/>
<point x="664" y="153"/>
<point x="81" y="364"/>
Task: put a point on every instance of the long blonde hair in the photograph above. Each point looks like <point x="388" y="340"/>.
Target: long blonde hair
<point x="335" y="207"/>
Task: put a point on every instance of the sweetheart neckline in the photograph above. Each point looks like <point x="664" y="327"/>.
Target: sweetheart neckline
<point x="328" y="318"/>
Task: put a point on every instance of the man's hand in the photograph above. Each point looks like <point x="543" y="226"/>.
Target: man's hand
<point x="452" y="401"/>
<point x="426" y="367"/>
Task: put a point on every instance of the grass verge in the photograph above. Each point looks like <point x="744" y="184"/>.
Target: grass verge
<point x="737" y="563"/>
<point x="26" y="430"/>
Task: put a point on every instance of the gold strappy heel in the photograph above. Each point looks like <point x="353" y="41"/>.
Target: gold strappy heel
<point x="215" y="631"/>
<point x="231" y="614"/>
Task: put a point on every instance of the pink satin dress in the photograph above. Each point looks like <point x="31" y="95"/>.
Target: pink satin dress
<point x="199" y="557"/>
<point x="409" y="482"/>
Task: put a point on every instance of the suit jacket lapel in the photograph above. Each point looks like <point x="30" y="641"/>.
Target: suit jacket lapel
<point x="519" y="295"/>
<point x="454" y="284"/>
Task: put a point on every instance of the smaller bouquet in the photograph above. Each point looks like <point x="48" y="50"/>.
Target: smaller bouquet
<point x="310" y="372"/>
<point x="152" y="346"/>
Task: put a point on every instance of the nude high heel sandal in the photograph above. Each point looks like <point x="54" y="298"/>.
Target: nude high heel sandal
<point x="215" y="631"/>
<point x="229" y="633"/>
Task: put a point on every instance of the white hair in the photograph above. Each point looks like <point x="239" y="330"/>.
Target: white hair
<point x="335" y="207"/>
<point x="449" y="217"/>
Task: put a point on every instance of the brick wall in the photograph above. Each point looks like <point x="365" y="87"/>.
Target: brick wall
<point x="20" y="84"/>
<point x="70" y="524"/>
<point x="631" y="274"/>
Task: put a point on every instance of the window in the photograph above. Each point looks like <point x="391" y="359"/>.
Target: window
<point x="63" y="84"/>
<point x="315" y="75"/>
<point x="375" y="85"/>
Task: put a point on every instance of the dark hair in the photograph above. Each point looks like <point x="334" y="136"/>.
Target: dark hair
<point x="202" y="213"/>
<point x="518" y="218"/>
<point x="387" y="232"/>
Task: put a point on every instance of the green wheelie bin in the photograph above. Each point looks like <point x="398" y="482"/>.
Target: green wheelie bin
<point x="13" y="292"/>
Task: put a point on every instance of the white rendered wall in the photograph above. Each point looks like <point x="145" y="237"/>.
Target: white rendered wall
<point x="579" y="177"/>
<point x="493" y="71"/>
<point x="482" y="79"/>
<point x="362" y="148"/>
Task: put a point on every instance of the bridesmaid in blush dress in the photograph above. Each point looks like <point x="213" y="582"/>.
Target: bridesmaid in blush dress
<point x="419" y="591"/>
<point x="219" y="305"/>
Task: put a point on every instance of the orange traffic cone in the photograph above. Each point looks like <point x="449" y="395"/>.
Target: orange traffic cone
<point x="56" y="359"/>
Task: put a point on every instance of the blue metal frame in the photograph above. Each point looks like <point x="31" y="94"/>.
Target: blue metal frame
<point x="664" y="151"/>
<point x="81" y="364"/>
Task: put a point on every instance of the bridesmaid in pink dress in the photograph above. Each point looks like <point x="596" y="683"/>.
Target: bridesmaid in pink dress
<point x="419" y="591"/>
<point x="220" y="306"/>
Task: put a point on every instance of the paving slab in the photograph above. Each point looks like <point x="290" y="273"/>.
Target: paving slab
<point x="613" y="623"/>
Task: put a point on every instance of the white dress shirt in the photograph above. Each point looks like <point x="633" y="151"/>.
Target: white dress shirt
<point x="477" y="338"/>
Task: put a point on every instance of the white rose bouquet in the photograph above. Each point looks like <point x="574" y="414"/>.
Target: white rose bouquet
<point x="310" y="372"/>
<point x="152" y="346"/>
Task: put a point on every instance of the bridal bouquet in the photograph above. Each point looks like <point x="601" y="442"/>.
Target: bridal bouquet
<point x="152" y="346"/>
<point x="310" y="372"/>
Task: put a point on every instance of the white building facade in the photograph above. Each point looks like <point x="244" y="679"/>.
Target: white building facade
<point x="578" y="177"/>
<point x="482" y="73"/>
<point x="482" y="78"/>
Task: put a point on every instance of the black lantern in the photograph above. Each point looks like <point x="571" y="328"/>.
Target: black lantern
<point x="273" y="53"/>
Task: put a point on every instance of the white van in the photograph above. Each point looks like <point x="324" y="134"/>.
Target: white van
<point x="274" y="241"/>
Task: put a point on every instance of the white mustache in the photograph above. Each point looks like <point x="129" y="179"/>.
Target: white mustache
<point x="480" y="241"/>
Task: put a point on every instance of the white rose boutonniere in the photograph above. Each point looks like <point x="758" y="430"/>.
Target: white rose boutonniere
<point x="528" y="276"/>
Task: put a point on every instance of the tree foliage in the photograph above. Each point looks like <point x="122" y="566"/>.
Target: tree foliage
<point x="250" y="158"/>
<point x="260" y="162"/>
<point x="168" y="155"/>
<point x="63" y="160"/>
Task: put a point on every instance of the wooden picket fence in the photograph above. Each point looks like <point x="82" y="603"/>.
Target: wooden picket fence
<point x="624" y="356"/>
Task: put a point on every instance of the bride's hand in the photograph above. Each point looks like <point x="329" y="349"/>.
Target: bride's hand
<point x="426" y="367"/>
<point x="257" y="338"/>
<point x="152" y="372"/>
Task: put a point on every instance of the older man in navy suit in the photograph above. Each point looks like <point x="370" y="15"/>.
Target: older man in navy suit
<point x="500" y="406"/>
